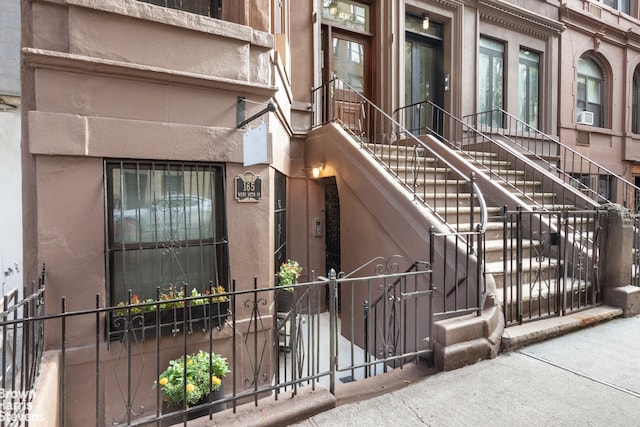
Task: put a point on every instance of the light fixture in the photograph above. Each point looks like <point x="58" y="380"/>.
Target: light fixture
<point x="425" y="21"/>
<point x="315" y="171"/>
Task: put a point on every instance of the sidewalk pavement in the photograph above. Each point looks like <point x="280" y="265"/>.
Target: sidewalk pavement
<point x="590" y="377"/>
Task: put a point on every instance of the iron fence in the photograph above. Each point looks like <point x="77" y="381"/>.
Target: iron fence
<point x="550" y="263"/>
<point x="110" y="358"/>
<point x="22" y="349"/>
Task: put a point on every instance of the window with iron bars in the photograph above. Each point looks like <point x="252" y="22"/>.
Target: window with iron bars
<point x="212" y="8"/>
<point x="166" y="227"/>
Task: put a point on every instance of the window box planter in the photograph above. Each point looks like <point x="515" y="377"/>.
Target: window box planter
<point x="173" y="321"/>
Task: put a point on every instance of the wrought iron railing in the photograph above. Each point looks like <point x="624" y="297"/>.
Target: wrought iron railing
<point x="592" y="179"/>
<point x="532" y="184"/>
<point x="550" y="263"/>
<point x="212" y="8"/>
<point x="432" y="180"/>
<point x="22" y="349"/>
<point x="271" y="354"/>
<point x="635" y="263"/>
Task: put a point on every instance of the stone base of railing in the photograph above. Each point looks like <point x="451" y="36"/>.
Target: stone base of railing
<point x="626" y="298"/>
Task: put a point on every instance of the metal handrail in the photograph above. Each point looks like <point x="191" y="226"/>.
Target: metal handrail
<point x="490" y="156"/>
<point x="337" y="102"/>
<point x="534" y="141"/>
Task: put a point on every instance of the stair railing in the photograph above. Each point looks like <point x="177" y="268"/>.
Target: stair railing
<point x="572" y="167"/>
<point x="476" y="145"/>
<point x="444" y="190"/>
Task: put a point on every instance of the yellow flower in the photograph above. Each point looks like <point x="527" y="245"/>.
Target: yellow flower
<point x="164" y="381"/>
<point x="190" y="362"/>
<point x="190" y="388"/>
<point x="215" y="380"/>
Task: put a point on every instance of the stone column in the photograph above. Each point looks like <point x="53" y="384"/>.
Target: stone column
<point x="616" y="257"/>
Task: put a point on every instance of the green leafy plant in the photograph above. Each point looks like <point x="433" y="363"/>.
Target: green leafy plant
<point x="204" y="373"/>
<point x="173" y="297"/>
<point x="289" y="273"/>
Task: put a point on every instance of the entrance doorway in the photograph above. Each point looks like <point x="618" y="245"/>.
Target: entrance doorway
<point x="347" y="55"/>
<point x="424" y="75"/>
<point x="332" y="228"/>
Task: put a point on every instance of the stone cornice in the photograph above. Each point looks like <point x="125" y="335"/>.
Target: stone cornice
<point x="44" y="59"/>
<point x="519" y="19"/>
<point x="588" y="23"/>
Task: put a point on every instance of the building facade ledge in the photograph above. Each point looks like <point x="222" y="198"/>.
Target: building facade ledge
<point x="39" y="58"/>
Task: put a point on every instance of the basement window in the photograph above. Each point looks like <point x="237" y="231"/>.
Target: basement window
<point x="165" y="227"/>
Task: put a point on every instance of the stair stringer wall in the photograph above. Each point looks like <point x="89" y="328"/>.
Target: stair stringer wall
<point x="380" y="218"/>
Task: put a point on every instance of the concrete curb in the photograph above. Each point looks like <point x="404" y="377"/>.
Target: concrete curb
<point x="281" y="412"/>
<point x="528" y="333"/>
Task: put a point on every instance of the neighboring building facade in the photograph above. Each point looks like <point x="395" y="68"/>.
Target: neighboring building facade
<point x="132" y="108"/>
<point x="10" y="179"/>
<point x="599" y="74"/>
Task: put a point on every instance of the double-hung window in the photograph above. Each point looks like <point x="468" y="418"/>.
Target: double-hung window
<point x="165" y="227"/>
<point x="590" y="90"/>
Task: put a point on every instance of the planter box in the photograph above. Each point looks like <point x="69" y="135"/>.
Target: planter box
<point x="284" y="301"/>
<point x="174" y="321"/>
<point x="197" y="413"/>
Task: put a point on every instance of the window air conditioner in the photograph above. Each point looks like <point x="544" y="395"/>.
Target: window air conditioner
<point x="585" y="118"/>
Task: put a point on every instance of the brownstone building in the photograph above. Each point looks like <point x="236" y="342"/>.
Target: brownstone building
<point x="141" y="166"/>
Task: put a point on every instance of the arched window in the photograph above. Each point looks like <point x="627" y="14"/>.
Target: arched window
<point x="590" y="92"/>
<point x="635" y="111"/>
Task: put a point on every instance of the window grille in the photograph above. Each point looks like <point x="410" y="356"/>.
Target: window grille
<point x="212" y="8"/>
<point x="165" y="227"/>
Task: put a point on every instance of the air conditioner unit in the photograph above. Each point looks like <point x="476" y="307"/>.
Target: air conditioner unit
<point x="585" y="118"/>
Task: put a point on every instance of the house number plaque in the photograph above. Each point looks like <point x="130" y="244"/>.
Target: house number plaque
<point x="248" y="187"/>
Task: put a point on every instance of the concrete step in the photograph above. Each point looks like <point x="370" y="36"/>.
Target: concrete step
<point x="543" y="297"/>
<point x="533" y="270"/>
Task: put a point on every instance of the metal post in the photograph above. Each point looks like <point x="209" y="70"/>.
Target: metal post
<point x="332" y="331"/>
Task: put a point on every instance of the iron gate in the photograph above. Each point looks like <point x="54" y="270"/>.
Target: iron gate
<point x="550" y="263"/>
<point x="386" y="322"/>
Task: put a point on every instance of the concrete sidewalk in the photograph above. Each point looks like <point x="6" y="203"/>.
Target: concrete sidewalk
<point x="590" y="377"/>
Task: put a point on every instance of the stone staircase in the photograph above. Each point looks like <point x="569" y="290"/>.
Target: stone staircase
<point x="531" y="291"/>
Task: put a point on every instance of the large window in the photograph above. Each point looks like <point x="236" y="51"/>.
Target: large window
<point x="166" y="227"/>
<point x="590" y="92"/>
<point x="624" y="6"/>
<point x="491" y="79"/>
<point x="528" y="92"/>
<point x="635" y="98"/>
